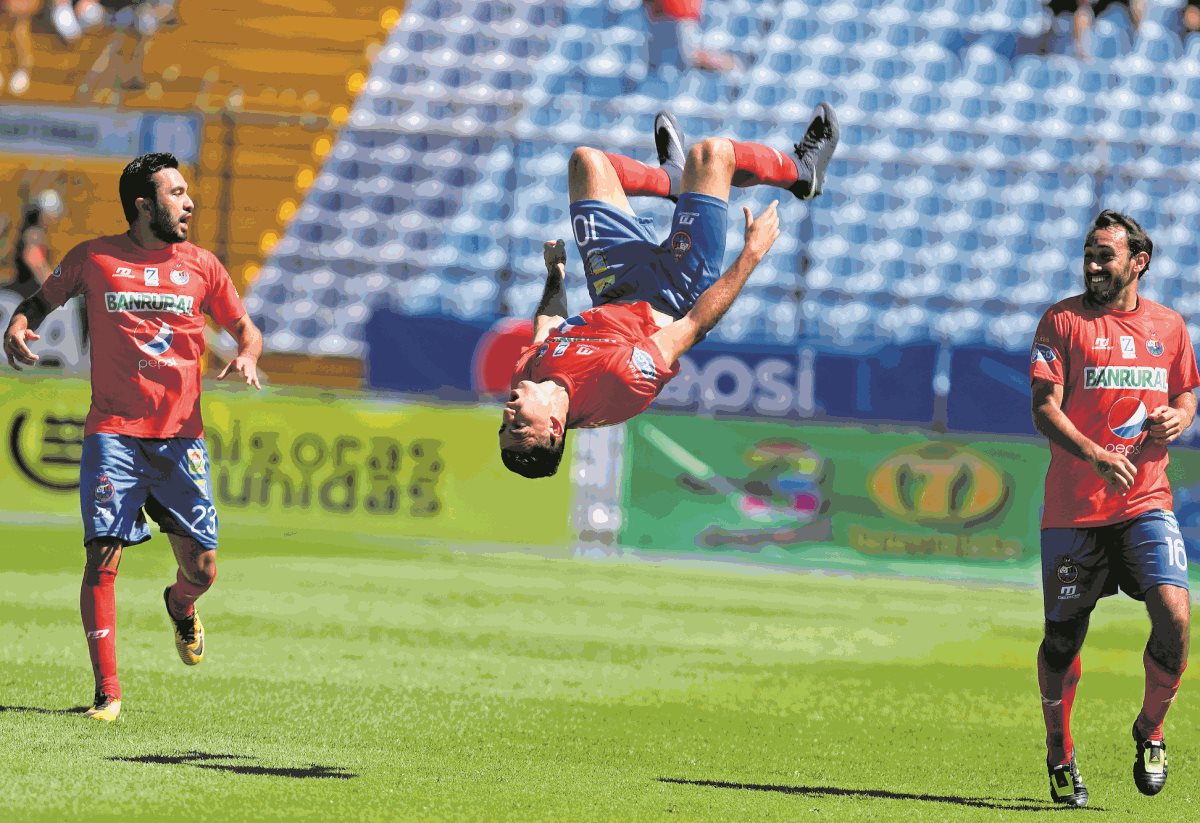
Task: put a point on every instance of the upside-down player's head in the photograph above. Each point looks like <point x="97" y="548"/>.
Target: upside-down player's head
<point x="152" y="187"/>
<point x="1116" y="253"/>
<point x="532" y="437"/>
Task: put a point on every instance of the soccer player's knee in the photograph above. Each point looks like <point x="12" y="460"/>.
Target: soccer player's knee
<point x="103" y="553"/>
<point x="711" y="152"/>
<point x="587" y="162"/>
<point x="1063" y="641"/>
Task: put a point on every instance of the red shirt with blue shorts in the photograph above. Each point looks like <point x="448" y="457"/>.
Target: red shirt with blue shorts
<point x="605" y="360"/>
<point x="1115" y="367"/>
<point x="143" y="441"/>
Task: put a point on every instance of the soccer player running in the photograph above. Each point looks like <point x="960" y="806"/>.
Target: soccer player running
<point x="143" y="447"/>
<point x="651" y="301"/>
<point x="1112" y="376"/>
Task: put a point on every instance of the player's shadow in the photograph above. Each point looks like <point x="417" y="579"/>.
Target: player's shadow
<point x="1014" y="804"/>
<point x="237" y="763"/>
<point x="40" y="710"/>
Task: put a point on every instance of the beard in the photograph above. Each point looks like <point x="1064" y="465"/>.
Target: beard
<point x="1106" y="292"/>
<point x="166" y="229"/>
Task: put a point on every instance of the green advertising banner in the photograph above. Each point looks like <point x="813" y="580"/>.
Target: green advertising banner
<point x="841" y="497"/>
<point x="304" y="460"/>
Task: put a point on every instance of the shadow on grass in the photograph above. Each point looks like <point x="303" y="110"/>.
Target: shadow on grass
<point x="40" y="710"/>
<point x="238" y="764"/>
<point x="1014" y="804"/>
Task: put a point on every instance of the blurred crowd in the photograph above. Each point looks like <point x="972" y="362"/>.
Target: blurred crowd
<point x="130" y="23"/>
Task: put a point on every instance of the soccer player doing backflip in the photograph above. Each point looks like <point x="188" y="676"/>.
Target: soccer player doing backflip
<point x="146" y="293"/>
<point x="1112" y="376"/>
<point x="652" y="301"/>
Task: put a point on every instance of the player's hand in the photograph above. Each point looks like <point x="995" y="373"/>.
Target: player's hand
<point x="761" y="231"/>
<point x="1166" y="424"/>
<point x="245" y="365"/>
<point x="555" y="254"/>
<point x="16" y="346"/>
<point x="1115" y="469"/>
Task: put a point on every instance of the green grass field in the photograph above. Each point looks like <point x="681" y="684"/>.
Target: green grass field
<point x="353" y="680"/>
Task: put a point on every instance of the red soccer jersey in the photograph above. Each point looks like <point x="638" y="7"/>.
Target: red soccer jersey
<point x="606" y="362"/>
<point x="144" y="318"/>
<point x="1115" y="367"/>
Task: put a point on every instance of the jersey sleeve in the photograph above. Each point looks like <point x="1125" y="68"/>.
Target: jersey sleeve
<point x="1047" y="358"/>
<point x="66" y="280"/>
<point x="1183" y="377"/>
<point x="223" y="303"/>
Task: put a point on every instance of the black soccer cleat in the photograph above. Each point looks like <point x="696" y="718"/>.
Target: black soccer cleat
<point x="1066" y="784"/>
<point x="1150" y="764"/>
<point x="668" y="142"/>
<point x="814" y="152"/>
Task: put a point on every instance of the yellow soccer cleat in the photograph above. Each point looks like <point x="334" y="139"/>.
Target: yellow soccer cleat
<point x="104" y="708"/>
<point x="189" y="633"/>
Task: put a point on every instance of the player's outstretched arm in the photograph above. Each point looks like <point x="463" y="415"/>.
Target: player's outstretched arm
<point x="28" y="315"/>
<point x="249" y="340"/>
<point x="1049" y="418"/>
<point x="677" y="338"/>
<point x="552" y="308"/>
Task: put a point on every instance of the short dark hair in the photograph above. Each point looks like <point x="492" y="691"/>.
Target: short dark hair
<point x="136" y="182"/>
<point x="540" y="461"/>
<point x="1138" y="240"/>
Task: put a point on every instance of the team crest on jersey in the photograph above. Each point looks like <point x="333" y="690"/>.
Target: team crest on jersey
<point x="104" y="489"/>
<point x="644" y="363"/>
<point x="1067" y="571"/>
<point x="681" y="242"/>
<point x="1154" y="345"/>
<point x="195" y="462"/>
<point x="123" y="272"/>
<point x="541" y="352"/>
<point x="57" y="272"/>
<point x="180" y="277"/>
<point x="1042" y="354"/>
<point x="597" y="263"/>
<point x="150" y="276"/>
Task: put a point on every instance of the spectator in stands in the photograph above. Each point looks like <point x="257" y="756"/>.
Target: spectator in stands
<point x="21" y="12"/>
<point x="31" y="249"/>
<point x="136" y="22"/>
<point x="1094" y="8"/>
<point x="1080" y="21"/>
<point x="1190" y="19"/>
<point x="675" y="37"/>
<point x="71" y="19"/>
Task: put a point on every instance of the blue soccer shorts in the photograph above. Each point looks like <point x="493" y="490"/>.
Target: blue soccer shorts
<point x="1079" y="566"/>
<point x="623" y="260"/>
<point x="119" y="476"/>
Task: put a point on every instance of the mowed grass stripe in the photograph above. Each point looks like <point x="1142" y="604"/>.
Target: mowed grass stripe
<point x="350" y="681"/>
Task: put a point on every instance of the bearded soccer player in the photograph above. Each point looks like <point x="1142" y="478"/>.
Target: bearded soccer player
<point x="146" y="292"/>
<point x="1112" y="376"/>
<point x="651" y="301"/>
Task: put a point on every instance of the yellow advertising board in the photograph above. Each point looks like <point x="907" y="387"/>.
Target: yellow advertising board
<point x="305" y="460"/>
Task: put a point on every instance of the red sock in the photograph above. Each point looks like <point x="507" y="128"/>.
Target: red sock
<point x="98" y="607"/>
<point x="184" y="593"/>
<point x="1058" y="695"/>
<point x="639" y="179"/>
<point x="1161" y="688"/>
<point x="756" y="164"/>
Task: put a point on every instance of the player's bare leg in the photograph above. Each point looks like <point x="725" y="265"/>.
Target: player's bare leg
<point x="197" y="571"/>
<point x="1165" y="659"/>
<point x="1059" y="670"/>
<point x="97" y="607"/>
<point x="593" y="175"/>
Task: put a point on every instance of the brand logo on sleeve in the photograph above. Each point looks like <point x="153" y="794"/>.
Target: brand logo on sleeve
<point x="1042" y="354"/>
